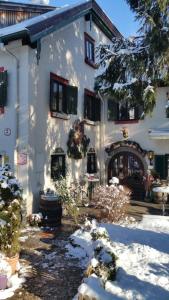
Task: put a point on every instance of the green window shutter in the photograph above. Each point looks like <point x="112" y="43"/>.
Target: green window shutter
<point x="64" y="100"/>
<point x="139" y="112"/>
<point x="160" y="165"/>
<point x="166" y="165"/>
<point x="3" y="88"/>
<point x="52" y="98"/>
<point x="72" y="99"/>
<point x="86" y="106"/>
<point x="112" y="112"/>
<point x="97" y="106"/>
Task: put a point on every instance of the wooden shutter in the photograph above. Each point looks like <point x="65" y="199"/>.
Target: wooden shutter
<point x="113" y="109"/>
<point x="3" y="88"/>
<point x="166" y="165"/>
<point x="86" y="106"/>
<point x="64" y="100"/>
<point x="160" y="165"/>
<point x="52" y="104"/>
<point x="72" y="99"/>
<point x="97" y="110"/>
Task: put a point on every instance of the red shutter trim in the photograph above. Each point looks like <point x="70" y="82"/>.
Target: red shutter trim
<point x="90" y="93"/>
<point x="59" y="79"/>
<point x="88" y="37"/>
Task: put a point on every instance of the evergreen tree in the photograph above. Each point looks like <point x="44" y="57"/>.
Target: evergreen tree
<point x="133" y="68"/>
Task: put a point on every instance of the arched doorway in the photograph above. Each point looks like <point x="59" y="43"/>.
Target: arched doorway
<point x="130" y="167"/>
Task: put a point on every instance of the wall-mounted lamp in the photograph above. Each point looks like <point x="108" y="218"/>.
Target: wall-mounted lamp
<point x="150" y="155"/>
<point x="125" y="132"/>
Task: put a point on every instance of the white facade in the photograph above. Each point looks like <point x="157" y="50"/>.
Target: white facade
<point x="27" y="129"/>
<point x="62" y="53"/>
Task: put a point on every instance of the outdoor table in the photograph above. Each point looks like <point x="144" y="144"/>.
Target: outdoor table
<point x="91" y="186"/>
<point x="164" y="190"/>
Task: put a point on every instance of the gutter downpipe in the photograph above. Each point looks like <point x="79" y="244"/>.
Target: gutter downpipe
<point x="102" y="140"/>
<point x="4" y="49"/>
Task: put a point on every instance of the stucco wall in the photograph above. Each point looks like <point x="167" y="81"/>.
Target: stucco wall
<point x="13" y="62"/>
<point x="138" y="132"/>
<point x="63" y="54"/>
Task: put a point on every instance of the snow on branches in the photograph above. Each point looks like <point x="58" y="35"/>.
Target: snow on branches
<point x="127" y="67"/>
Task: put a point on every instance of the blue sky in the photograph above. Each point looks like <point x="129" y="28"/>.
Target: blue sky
<point x="117" y="10"/>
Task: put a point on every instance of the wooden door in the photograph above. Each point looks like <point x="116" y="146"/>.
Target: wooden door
<point x="130" y="170"/>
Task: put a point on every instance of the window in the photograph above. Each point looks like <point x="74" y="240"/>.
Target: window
<point x="58" y="166"/>
<point x="89" y="50"/>
<point x="3" y="87"/>
<point x="63" y="97"/>
<point x="122" y="111"/>
<point x="92" y="106"/>
<point x="91" y="162"/>
<point x="162" y="165"/>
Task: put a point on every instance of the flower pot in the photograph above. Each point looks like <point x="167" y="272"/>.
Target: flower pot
<point x="13" y="261"/>
<point x="3" y="282"/>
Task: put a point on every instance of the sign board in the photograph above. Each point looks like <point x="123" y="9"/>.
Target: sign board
<point x="22" y="158"/>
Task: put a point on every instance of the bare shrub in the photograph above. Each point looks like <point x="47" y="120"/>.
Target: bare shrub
<point x="113" y="201"/>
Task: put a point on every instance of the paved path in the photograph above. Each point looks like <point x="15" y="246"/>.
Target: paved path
<point x="53" y="276"/>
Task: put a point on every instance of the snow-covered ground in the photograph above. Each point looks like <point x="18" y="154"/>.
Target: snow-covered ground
<point x="143" y="260"/>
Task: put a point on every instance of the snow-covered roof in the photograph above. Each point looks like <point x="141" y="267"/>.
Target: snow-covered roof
<point x="37" y="27"/>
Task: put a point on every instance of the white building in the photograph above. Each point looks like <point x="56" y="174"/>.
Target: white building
<point x="50" y="66"/>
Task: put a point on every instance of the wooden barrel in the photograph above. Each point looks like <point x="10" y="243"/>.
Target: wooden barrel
<point x="159" y="196"/>
<point x="51" y="209"/>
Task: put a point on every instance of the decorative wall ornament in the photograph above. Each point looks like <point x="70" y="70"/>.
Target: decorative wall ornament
<point x="127" y="143"/>
<point x="125" y="132"/>
<point x="77" y="141"/>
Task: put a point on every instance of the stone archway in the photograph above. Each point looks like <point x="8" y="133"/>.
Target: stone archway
<point x="127" y="162"/>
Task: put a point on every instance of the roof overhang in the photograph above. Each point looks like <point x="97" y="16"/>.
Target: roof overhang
<point x="34" y="31"/>
<point x="159" y="134"/>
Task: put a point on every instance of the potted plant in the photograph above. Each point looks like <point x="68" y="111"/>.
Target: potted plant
<point x="10" y="216"/>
